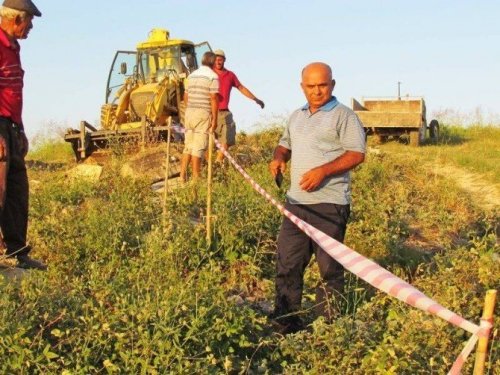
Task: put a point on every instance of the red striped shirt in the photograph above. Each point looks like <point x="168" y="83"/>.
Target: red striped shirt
<point x="11" y="79"/>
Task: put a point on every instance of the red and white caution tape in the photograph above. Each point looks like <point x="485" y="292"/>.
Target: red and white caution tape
<point x="374" y="274"/>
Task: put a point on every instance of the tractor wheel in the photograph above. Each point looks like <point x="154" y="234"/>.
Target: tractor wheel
<point x="434" y="130"/>
<point x="379" y="139"/>
<point x="415" y="138"/>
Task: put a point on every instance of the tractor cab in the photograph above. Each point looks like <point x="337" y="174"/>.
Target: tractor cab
<point x="144" y="89"/>
<point x="136" y="78"/>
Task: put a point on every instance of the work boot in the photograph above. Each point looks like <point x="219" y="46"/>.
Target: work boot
<point x="24" y="261"/>
<point x="286" y="324"/>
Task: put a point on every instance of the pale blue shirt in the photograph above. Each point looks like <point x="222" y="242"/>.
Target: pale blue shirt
<point x="317" y="139"/>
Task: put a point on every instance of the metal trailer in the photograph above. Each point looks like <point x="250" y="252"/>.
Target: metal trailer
<point x="399" y="116"/>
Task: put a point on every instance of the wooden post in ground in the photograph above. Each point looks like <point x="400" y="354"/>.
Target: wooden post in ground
<point x="167" y="166"/>
<point x="209" y="187"/>
<point x="482" y="346"/>
<point x="143" y="133"/>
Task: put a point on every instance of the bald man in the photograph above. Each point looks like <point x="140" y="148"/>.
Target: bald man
<point x="324" y="141"/>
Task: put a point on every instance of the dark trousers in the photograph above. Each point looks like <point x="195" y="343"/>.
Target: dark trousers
<point x="295" y="250"/>
<point x="14" y="191"/>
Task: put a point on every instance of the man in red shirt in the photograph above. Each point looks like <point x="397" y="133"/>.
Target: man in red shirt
<point x="226" y="128"/>
<point x="16" y="23"/>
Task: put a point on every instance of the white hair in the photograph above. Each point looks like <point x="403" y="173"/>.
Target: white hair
<point x="10" y="13"/>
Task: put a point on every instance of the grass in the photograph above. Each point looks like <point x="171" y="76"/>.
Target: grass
<point x="473" y="148"/>
<point x="130" y="291"/>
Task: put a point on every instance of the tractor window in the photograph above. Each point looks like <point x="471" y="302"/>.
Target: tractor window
<point x="170" y="61"/>
<point x="161" y="62"/>
<point x="200" y="49"/>
<point x="123" y="67"/>
<point x="188" y="57"/>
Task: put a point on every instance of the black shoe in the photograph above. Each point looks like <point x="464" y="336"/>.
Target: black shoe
<point x="24" y="261"/>
<point x="286" y="324"/>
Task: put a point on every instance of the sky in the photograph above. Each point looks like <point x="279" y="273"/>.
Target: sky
<point x="446" y="51"/>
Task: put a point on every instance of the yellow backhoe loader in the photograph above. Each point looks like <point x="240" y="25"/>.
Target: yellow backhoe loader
<point x="145" y="87"/>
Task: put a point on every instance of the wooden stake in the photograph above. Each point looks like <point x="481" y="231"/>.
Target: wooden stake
<point x="167" y="166"/>
<point x="143" y="133"/>
<point x="209" y="187"/>
<point x="482" y="346"/>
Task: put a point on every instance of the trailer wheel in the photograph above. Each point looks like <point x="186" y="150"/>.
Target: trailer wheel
<point x="415" y="138"/>
<point x="434" y="130"/>
<point x="379" y="139"/>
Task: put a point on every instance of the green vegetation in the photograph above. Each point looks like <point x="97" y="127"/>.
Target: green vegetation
<point x="130" y="291"/>
<point x="475" y="148"/>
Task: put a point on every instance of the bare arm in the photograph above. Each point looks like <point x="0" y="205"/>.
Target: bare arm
<point x="249" y="95"/>
<point x="345" y="162"/>
<point x="3" y="149"/>
<point x="214" y="105"/>
<point x="281" y="156"/>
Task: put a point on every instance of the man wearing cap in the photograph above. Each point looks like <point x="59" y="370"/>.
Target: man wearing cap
<point x="16" y="23"/>
<point x="226" y="128"/>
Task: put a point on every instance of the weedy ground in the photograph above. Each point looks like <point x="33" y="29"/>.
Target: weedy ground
<point x="133" y="290"/>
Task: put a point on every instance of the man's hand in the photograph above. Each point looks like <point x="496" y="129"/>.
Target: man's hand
<point x="259" y="102"/>
<point x="3" y="149"/>
<point x="25" y="145"/>
<point x="213" y="127"/>
<point x="276" y="166"/>
<point x="312" y="179"/>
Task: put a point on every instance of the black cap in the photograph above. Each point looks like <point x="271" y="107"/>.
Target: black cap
<point x="25" y="5"/>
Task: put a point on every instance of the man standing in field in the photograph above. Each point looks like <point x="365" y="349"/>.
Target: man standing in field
<point x="202" y="99"/>
<point x="226" y="128"/>
<point x="324" y="140"/>
<point x="16" y="23"/>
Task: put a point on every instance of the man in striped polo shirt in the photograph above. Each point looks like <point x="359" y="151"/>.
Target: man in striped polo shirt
<point x="324" y="140"/>
<point x="16" y="23"/>
<point x="202" y="99"/>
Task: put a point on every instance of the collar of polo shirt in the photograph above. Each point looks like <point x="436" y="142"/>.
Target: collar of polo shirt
<point x="328" y="106"/>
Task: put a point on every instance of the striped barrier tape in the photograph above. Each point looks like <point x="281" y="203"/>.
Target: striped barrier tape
<point x="374" y="274"/>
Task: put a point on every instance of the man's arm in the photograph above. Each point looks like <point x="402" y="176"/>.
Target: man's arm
<point x="345" y="162"/>
<point x="281" y="157"/>
<point x="214" y="104"/>
<point x="249" y="95"/>
<point x="3" y="149"/>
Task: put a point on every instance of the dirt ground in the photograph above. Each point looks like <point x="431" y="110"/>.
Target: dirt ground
<point x="484" y="194"/>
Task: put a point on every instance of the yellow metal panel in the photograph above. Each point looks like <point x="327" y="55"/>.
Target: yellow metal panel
<point x="161" y="38"/>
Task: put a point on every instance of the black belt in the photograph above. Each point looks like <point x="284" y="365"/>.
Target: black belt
<point x="224" y="110"/>
<point x="14" y="125"/>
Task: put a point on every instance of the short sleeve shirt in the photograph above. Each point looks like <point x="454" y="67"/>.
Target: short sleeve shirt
<point x="11" y="79"/>
<point x="227" y="80"/>
<point x="317" y="139"/>
<point x="200" y="84"/>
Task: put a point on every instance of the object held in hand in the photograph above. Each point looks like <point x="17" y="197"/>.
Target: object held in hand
<point x="278" y="178"/>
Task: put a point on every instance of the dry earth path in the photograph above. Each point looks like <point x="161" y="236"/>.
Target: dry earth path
<point x="483" y="193"/>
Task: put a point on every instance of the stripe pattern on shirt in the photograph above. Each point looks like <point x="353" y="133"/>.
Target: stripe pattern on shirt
<point x="317" y="139"/>
<point x="200" y="84"/>
<point x="11" y="79"/>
